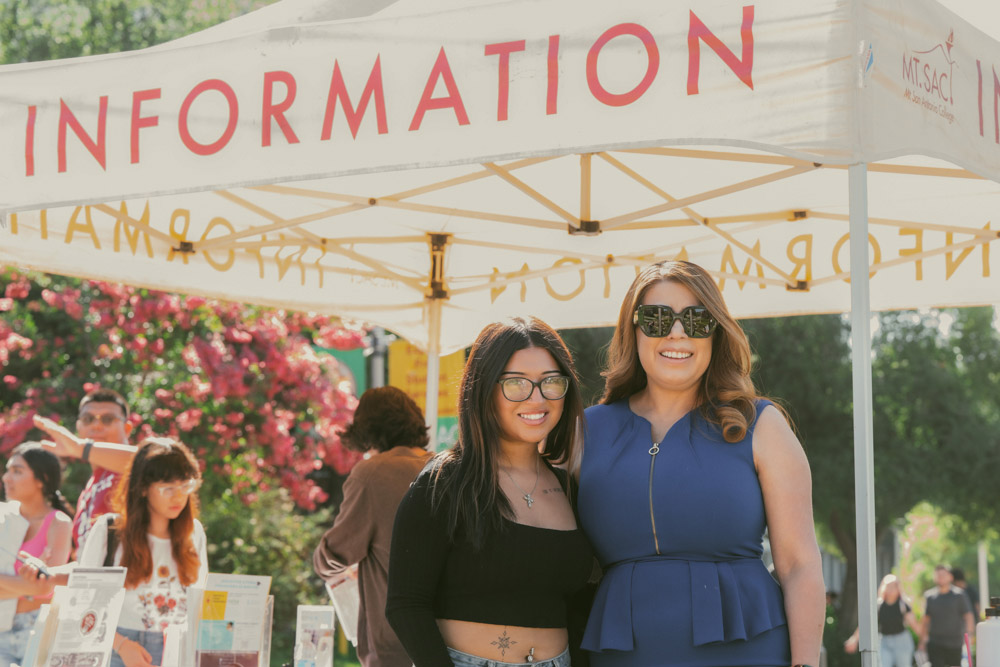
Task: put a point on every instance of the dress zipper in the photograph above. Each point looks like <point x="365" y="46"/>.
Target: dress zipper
<point x="653" y="451"/>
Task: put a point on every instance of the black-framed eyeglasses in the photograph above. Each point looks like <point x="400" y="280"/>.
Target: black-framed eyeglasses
<point x="656" y="321"/>
<point x="106" y="419"/>
<point x="517" y="389"/>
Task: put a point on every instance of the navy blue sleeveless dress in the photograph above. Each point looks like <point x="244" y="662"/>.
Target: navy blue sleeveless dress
<point x="693" y="590"/>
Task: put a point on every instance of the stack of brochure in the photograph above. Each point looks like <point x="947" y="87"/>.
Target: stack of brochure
<point x="229" y="624"/>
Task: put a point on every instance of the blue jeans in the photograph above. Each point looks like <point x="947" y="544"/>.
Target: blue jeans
<point x="465" y="660"/>
<point x="151" y="641"/>
<point x="897" y="650"/>
<point x="14" y="642"/>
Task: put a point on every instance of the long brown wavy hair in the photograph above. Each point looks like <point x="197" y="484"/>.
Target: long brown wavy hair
<point x="157" y="460"/>
<point x="466" y="480"/>
<point x="726" y="395"/>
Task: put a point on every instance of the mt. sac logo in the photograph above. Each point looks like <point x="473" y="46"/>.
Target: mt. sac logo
<point x="927" y="76"/>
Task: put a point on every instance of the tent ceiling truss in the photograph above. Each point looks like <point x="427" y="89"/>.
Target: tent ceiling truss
<point x="721" y="227"/>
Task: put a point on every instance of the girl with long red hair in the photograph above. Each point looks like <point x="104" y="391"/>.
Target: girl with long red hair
<point x="157" y="536"/>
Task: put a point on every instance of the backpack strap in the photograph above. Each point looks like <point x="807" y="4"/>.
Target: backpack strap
<point x="109" y="558"/>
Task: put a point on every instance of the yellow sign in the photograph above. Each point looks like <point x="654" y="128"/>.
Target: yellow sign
<point x="408" y="371"/>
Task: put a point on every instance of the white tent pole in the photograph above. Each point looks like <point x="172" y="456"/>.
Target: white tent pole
<point x="433" y="369"/>
<point x="864" y="459"/>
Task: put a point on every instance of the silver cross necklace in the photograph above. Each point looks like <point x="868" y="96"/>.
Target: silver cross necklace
<point x="527" y="495"/>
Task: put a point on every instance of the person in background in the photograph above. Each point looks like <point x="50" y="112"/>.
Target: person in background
<point x="101" y="440"/>
<point x="958" y="579"/>
<point x="389" y="426"/>
<point x="32" y="479"/>
<point x="947" y="617"/>
<point x="684" y="467"/>
<point x="156" y="534"/>
<point x="486" y="548"/>
<point x="895" y="615"/>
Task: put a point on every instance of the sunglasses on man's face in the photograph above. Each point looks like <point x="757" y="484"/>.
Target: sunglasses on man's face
<point x="656" y="321"/>
<point x="87" y="419"/>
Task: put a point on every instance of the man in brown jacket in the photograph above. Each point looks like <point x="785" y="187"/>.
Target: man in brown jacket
<point x="389" y="426"/>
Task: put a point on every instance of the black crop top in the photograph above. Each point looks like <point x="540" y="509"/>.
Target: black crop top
<point x="521" y="577"/>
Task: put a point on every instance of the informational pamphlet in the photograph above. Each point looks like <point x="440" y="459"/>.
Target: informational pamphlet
<point x="314" y="628"/>
<point x="347" y="602"/>
<point x="13" y="528"/>
<point x="230" y="621"/>
<point x="78" y="629"/>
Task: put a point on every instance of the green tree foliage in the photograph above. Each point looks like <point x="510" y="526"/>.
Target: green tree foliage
<point x="32" y="30"/>
<point x="242" y="386"/>
<point x="934" y="412"/>
<point x="932" y="536"/>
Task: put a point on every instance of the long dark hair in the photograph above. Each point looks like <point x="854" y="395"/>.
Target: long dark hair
<point x="47" y="470"/>
<point x="157" y="460"/>
<point x="466" y="480"/>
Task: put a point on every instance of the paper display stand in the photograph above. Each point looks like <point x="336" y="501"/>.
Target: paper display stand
<point x="314" y="629"/>
<point x="77" y="629"/>
<point x="229" y="623"/>
<point x="13" y="528"/>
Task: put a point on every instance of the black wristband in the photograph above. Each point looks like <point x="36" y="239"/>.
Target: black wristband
<point x="87" y="444"/>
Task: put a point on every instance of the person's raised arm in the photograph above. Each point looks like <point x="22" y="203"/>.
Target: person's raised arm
<point x="108" y="455"/>
<point x="786" y="484"/>
<point x="417" y="558"/>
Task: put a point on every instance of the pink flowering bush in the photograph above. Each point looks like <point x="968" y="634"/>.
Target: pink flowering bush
<point x="241" y="385"/>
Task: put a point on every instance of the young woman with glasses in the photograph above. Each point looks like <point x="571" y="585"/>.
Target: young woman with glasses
<point x="684" y="467"/>
<point x="159" y="539"/>
<point x="485" y="547"/>
<point x="32" y="479"/>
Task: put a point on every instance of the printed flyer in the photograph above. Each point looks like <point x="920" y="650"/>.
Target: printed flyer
<point x="79" y="628"/>
<point x="233" y="621"/>
<point x="346" y="600"/>
<point x="314" y="629"/>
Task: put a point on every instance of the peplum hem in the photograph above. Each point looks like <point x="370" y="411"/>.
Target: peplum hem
<point x="731" y="601"/>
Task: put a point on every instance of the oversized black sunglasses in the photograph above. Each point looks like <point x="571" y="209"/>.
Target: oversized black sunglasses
<point x="656" y="321"/>
<point x="518" y="389"/>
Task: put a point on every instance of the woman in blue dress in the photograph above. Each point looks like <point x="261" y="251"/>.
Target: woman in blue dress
<point x="684" y="467"/>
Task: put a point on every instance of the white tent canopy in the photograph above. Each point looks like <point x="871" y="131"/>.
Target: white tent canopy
<point x="314" y="165"/>
<point x="432" y="166"/>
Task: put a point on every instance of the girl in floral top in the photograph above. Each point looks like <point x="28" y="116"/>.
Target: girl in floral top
<point x="161" y="543"/>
